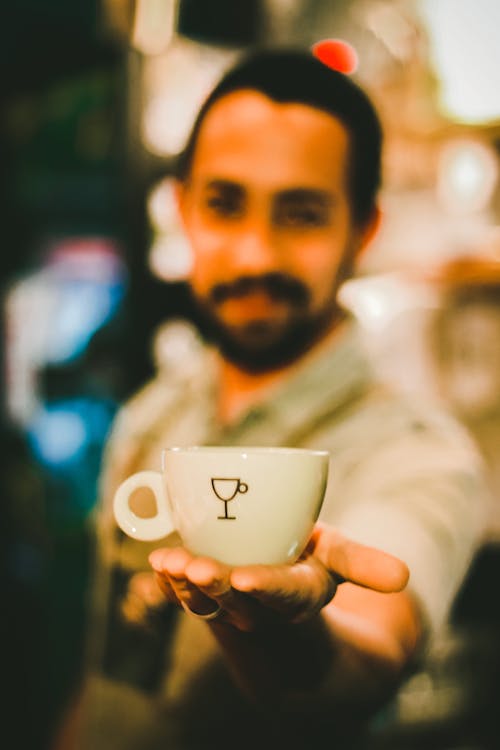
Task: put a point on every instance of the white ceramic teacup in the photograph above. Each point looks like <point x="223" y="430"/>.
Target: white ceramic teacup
<point x="240" y="505"/>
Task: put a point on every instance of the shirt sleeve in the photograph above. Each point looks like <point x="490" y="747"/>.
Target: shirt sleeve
<point x="420" y="495"/>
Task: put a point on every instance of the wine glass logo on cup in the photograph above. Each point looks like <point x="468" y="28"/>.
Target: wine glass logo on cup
<point x="226" y="489"/>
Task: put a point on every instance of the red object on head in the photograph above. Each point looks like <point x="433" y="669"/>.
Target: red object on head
<point x="336" y="54"/>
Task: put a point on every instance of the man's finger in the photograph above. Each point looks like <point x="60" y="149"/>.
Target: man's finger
<point x="357" y="563"/>
<point x="214" y="579"/>
<point x="170" y="566"/>
<point x="296" y="591"/>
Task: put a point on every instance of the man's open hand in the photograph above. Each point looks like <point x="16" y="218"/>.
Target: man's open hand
<point x="250" y="595"/>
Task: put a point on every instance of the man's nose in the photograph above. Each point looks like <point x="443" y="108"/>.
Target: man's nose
<point x="255" y="248"/>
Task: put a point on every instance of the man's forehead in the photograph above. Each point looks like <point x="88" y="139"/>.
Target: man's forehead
<point x="246" y="109"/>
<point x="246" y="128"/>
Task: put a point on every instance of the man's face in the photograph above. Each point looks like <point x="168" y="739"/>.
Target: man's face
<point x="266" y="210"/>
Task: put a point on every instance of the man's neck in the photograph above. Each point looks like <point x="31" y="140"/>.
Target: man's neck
<point x="239" y="389"/>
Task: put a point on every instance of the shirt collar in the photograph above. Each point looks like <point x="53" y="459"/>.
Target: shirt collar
<point x="324" y="383"/>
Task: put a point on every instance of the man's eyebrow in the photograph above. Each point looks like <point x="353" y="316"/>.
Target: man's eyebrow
<point x="221" y="184"/>
<point x="301" y="195"/>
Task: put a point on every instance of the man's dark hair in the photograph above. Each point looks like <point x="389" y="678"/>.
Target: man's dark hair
<point x="297" y="76"/>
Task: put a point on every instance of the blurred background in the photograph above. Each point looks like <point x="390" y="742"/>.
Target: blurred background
<point x="97" y="97"/>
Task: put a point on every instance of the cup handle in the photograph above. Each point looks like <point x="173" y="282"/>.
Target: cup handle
<point x="145" y="529"/>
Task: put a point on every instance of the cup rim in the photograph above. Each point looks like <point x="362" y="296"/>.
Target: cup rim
<point x="241" y="449"/>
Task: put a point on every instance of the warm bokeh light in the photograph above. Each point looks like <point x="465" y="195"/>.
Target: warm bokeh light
<point x="466" y="55"/>
<point x="169" y="253"/>
<point x="175" y="85"/>
<point x="170" y="257"/>
<point x="336" y="54"/>
<point x="467" y="175"/>
<point x="161" y="206"/>
<point x="153" y="26"/>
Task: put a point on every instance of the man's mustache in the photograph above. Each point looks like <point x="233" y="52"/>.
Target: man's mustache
<point x="278" y="286"/>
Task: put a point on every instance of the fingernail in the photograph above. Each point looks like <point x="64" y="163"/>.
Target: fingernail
<point x="155" y="560"/>
<point x="242" y="583"/>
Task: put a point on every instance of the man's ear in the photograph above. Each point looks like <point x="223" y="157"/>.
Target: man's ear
<point x="368" y="231"/>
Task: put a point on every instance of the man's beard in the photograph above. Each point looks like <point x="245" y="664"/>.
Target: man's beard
<point x="261" y="345"/>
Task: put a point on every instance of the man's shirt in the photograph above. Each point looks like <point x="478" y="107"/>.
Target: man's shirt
<point x="402" y="478"/>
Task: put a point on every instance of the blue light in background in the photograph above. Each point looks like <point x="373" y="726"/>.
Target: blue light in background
<point x="67" y="437"/>
<point x="87" y="278"/>
<point x="61" y="390"/>
<point x="85" y="306"/>
<point x="59" y="433"/>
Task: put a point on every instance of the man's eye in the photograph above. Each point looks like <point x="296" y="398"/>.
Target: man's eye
<point x="301" y="216"/>
<point x="224" y="205"/>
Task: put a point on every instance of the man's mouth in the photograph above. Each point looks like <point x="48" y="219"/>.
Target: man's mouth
<point x="262" y="290"/>
<point x="256" y="305"/>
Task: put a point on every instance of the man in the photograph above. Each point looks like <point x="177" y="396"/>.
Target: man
<point x="277" y="193"/>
